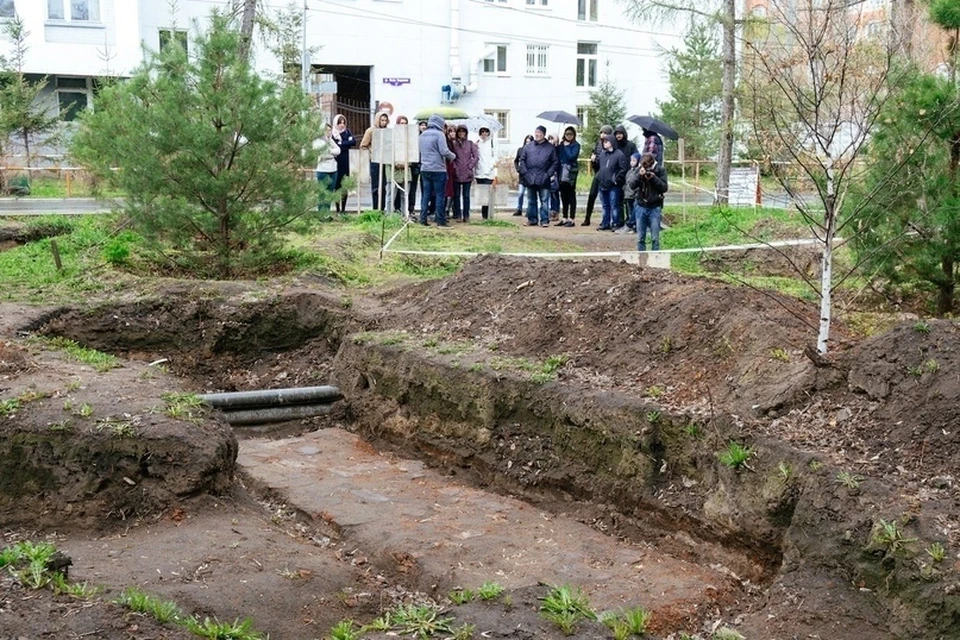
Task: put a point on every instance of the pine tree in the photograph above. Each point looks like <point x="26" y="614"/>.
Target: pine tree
<point x="23" y="116"/>
<point x="608" y="105"/>
<point x="210" y="155"/>
<point x="695" y="90"/>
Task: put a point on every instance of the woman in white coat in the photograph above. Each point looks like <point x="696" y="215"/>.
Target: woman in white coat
<point x="486" y="171"/>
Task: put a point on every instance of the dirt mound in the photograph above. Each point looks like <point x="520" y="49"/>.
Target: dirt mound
<point x="692" y="339"/>
<point x="82" y="448"/>
<point x="13" y="359"/>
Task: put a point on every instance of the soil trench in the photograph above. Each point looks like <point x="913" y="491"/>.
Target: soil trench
<point x="473" y="445"/>
<point x="446" y="535"/>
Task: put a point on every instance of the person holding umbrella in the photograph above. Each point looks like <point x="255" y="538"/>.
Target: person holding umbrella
<point x="486" y="171"/>
<point x="569" y="157"/>
<point x="538" y="166"/>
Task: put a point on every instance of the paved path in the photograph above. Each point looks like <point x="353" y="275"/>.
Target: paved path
<point x="399" y="512"/>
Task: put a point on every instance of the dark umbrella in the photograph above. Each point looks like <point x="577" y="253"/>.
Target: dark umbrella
<point x="560" y="116"/>
<point x="657" y="126"/>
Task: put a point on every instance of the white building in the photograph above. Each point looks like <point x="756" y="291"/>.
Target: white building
<point x="509" y="58"/>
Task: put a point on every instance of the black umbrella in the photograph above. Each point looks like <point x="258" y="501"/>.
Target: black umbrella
<point x="560" y="116"/>
<point x="657" y="126"/>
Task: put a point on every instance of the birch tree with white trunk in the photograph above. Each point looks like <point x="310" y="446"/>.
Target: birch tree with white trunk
<point x="814" y="83"/>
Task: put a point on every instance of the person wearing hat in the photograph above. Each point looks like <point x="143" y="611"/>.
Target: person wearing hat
<point x="538" y="166"/>
<point x="486" y="171"/>
<point x="605" y="131"/>
<point x="463" y="167"/>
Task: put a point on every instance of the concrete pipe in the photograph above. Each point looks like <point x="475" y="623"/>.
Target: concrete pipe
<point x="272" y="397"/>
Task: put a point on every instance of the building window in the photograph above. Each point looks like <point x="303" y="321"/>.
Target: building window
<point x="497" y="63"/>
<point x="169" y="36"/>
<point x="503" y="117"/>
<point x="538" y="60"/>
<point x="7" y="10"/>
<point x="73" y="96"/>
<point x="582" y="111"/>
<point x="79" y="10"/>
<point x="587" y="10"/>
<point x="587" y="64"/>
<point x="538" y="3"/>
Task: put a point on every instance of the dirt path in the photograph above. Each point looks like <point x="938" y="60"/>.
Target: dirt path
<point x="445" y="535"/>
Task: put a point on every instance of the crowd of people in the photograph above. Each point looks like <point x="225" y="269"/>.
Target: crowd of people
<point x="630" y="182"/>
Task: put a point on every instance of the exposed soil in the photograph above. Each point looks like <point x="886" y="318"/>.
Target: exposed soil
<point x="446" y="373"/>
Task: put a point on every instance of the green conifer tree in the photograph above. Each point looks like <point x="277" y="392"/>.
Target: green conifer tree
<point x="210" y="155"/>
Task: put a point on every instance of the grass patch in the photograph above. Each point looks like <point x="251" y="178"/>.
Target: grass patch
<point x="735" y="455"/>
<point x="163" y="611"/>
<point x="184" y="406"/>
<point x="565" y="606"/>
<point x="97" y="359"/>
<point x="489" y="590"/>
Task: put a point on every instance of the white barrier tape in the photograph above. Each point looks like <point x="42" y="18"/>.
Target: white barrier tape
<point x="611" y="254"/>
<point x="386" y="247"/>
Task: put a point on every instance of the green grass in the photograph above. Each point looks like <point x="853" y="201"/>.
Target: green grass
<point x="80" y="187"/>
<point x="30" y="273"/>
<point x="565" y="606"/>
<point x="96" y="359"/>
<point x="489" y="590"/>
<point x="735" y="455"/>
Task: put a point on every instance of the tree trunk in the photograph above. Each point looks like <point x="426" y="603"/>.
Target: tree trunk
<point x="725" y="156"/>
<point x="902" y="23"/>
<point x="826" y="262"/>
<point x="246" y="27"/>
<point x="947" y="288"/>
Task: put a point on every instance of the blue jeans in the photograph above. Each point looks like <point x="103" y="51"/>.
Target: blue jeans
<point x="433" y="183"/>
<point x="648" y="218"/>
<point x="523" y="190"/>
<point x="461" y="200"/>
<point x="543" y="195"/>
<point x="610" y="200"/>
<point x="327" y="181"/>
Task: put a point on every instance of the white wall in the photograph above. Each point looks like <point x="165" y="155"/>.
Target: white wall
<point x="397" y="38"/>
<point x="82" y="48"/>
<point x="412" y="39"/>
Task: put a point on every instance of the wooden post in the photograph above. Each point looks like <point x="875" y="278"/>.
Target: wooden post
<point x="56" y="255"/>
<point x="69" y="190"/>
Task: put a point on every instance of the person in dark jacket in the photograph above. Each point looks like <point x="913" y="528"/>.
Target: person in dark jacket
<point x="516" y="165"/>
<point x="467" y="157"/>
<point x="346" y="142"/>
<point x="434" y="155"/>
<point x="650" y="183"/>
<point x="568" y="155"/>
<point x="605" y="131"/>
<point x="629" y="148"/>
<point x="538" y="166"/>
<point x="611" y="177"/>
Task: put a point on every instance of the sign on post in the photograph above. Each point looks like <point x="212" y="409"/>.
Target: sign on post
<point x="744" y="182"/>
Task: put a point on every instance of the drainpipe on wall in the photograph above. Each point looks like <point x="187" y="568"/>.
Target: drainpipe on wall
<point x="457" y="87"/>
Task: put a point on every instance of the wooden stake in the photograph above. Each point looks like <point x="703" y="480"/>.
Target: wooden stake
<point x="56" y="255"/>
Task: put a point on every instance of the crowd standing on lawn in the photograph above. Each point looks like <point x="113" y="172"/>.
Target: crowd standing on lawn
<point x="630" y="182"/>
